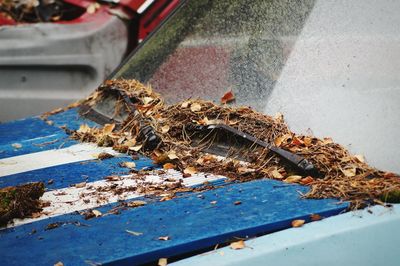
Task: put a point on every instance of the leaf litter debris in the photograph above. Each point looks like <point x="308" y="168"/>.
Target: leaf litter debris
<point x="344" y="176"/>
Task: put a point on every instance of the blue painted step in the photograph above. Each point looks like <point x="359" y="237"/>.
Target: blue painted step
<point x="191" y="223"/>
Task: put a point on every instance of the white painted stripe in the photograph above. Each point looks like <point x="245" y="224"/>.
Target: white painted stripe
<point x="71" y="199"/>
<point x="144" y="6"/>
<point x="44" y="159"/>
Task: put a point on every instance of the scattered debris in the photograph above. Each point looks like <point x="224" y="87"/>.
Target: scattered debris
<point x="104" y="156"/>
<point x="20" y="201"/>
<point x="97" y="213"/>
<point x="130" y="165"/>
<point x="135" y="203"/>
<point x="164" y="238"/>
<point x="237" y="245"/>
<point x="343" y="175"/>
<point x="52" y="226"/>
<point x="133" y="233"/>
<point x="298" y="223"/>
<point x="237" y="202"/>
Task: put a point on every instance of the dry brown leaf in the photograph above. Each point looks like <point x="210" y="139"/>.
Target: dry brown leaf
<point x="108" y="128"/>
<point x="315" y="217"/>
<point x="360" y="158"/>
<point x="349" y="172"/>
<point x="165" y="129"/>
<point x="244" y="170"/>
<point x="97" y="213"/>
<point x="185" y="104"/>
<point x="134" y="233"/>
<point x="135" y="148"/>
<point x="327" y="141"/>
<point x="237" y="245"/>
<point x="298" y="223"/>
<point x="130" y="165"/>
<point x="92" y="8"/>
<point x="169" y="166"/>
<point x="84" y="128"/>
<point x="104" y="156"/>
<point x="293" y="179"/>
<point x="195" y="107"/>
<point x="307" y="141"/>
<point x="147" y="100"/>
<point x="275" y="174"/>
<point x="164" y="238"/>
<point x="307" y="180"/>
<point x="80" y="185"/>
<point x="162" y="262"/>
<point x="172" y="155"/>
<point x="190" y="170"/>
<point x="136" y="203"/>
<point x="228" y="97"/>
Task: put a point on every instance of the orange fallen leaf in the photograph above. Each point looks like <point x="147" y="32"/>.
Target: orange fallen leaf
<point x="315" y="217"/>
<point x="228" y="97"/>
<point x="237" y="245"/>
<point x="169" y="166"/>
<point x="307" y="180"/>
<point x="296" y="141"/>
<point x="298" y="223"/>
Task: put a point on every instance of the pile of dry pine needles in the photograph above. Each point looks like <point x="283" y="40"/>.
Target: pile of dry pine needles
<point x="344" y="176"/>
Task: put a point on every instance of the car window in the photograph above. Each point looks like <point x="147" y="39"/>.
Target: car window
<point x="330" y="67"/>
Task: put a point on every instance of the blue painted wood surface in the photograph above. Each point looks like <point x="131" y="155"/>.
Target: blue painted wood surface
<point x="190" y="221"/>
